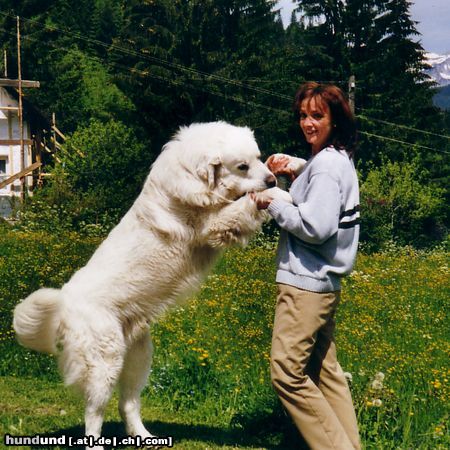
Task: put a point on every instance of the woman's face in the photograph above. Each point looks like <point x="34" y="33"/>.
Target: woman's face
<point x="316" y="123"/>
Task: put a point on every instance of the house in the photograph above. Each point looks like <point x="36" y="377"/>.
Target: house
<point x="11" y="166"/>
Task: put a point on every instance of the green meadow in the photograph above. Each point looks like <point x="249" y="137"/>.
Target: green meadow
<point x="210" y="388"/>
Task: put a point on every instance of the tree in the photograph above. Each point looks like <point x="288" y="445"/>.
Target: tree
<point x="153" y="65"/>
<point x="324" y="21"/>
<point x="188" y="73"/>
<point x="375" y="41"/>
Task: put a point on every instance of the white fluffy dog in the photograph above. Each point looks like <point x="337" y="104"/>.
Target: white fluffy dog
<point x="193" y="204"/>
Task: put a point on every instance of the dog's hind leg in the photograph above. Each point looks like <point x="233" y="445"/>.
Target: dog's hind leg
<point x="97" y="391"/>
<point x="93" y="416"/>
<point x="132" y="380"/>
<point x="93" y="366"/>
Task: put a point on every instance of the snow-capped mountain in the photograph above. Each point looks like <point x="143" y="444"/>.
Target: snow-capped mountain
<point x="440" y="68"/>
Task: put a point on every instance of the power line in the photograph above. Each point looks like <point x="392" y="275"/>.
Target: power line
<point x="402" y="142"/>
<point x="228" y="97"/>
<point x="159" y="60"/>
<point x="160" y="77"/>
<point x="211" y="76"/>
<point x="401" y="126"/>
<point x="207" y="74"/>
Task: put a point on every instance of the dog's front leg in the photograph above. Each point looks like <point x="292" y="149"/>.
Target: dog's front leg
<point x="234" y="223"/>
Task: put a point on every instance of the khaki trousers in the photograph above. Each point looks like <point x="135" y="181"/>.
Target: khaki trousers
<point x="305" y="371"/>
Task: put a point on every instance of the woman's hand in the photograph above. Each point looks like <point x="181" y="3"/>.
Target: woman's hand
<point x="278" y="163"/>
<point x="281" y="164"/>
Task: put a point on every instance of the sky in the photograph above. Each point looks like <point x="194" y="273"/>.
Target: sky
<point x="433" y="17"/>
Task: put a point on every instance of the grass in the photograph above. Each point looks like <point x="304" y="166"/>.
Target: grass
<point x="33" y="407"/>
<point x="209" y="387"/>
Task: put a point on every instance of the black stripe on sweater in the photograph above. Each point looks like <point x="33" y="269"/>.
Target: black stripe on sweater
<point x="349" y="212"/>
<point x="350" y="224"/>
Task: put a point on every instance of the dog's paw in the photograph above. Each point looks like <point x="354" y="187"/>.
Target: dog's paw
<point x="274" y="193"/>
<point x="224" y="235"/>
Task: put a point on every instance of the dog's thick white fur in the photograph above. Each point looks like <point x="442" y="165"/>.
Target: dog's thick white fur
<point x="193" y="204"/>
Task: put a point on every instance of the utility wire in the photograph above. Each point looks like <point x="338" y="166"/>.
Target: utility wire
<point x="402" y="142"/>
<point x="228" y="97"/>
<point x="146" y="73"/>
<point x="360" y="116"/>
<point x="158" y="60"/>
<point x="211" y="76"/>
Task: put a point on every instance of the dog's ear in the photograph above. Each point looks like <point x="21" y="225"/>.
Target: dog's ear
<point x="208" y="173"/>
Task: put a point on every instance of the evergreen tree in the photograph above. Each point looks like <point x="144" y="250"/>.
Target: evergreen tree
<point x="180" y="61"/>
<point x="324" y="21"/>
<point x="389" y="66"/>
<point x="191" y="68"/>
<point x="375" y="40"/>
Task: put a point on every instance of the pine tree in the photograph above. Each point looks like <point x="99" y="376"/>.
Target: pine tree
<point x="389" y="68"/>
<point x="375" y="40"/>
<point x="324" y="21"/>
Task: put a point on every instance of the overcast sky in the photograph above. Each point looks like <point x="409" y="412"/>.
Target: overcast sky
<point x="433" y="17"/>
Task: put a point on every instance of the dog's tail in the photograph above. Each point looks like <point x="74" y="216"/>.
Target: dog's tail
<point x="36" y="320"/>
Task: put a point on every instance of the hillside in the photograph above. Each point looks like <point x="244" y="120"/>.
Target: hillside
<point x="442" y="98"/>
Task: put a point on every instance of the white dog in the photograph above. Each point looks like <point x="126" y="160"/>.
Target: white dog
<point x="193" y="204"/>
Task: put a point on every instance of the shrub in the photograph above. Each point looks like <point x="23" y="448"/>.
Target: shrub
<point x="400" y="204"/>
<point x="106" y="164"/>
<point x="101" y="171"/>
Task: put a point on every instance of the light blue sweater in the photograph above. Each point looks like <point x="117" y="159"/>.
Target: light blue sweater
<point x="320" y="230"/>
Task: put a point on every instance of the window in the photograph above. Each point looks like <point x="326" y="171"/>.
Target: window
<point x="3" y="175"/>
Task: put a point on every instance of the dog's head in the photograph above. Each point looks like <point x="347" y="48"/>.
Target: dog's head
<point x="236" y="169"/>
<point x="211" y="163"/>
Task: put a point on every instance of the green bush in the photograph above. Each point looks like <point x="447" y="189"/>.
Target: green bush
<point x="106" y="164"/>
<point x="400" y="204"/>
<point x="100" y="173"/>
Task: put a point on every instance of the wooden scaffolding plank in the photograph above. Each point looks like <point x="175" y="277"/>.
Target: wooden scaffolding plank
<point x="15" y="141"/>
<point x="58" y="132"/>
<point x="20" y="174"/>
<point x="6" y="82"/>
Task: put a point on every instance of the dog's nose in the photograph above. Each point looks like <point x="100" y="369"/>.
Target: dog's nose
<point x="271" y="181"/>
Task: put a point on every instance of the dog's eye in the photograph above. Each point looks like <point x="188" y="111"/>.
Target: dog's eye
<point x="243" y="167"/>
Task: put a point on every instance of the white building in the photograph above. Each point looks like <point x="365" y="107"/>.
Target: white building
<point x="10" y="154"/>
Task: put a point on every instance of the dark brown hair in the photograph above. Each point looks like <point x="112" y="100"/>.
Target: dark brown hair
<point x="343" y="135"/>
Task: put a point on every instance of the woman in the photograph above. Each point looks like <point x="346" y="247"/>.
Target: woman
<point x="318" y="244"/>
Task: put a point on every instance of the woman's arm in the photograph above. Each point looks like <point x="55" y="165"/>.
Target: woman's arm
<point x="317" y="218"/>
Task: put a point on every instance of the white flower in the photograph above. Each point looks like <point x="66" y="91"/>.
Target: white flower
<point x="379" y="376"/>
<point x="377" y="402"/>
<point x="348" y="376"/>
<point x="377" y="385"/>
